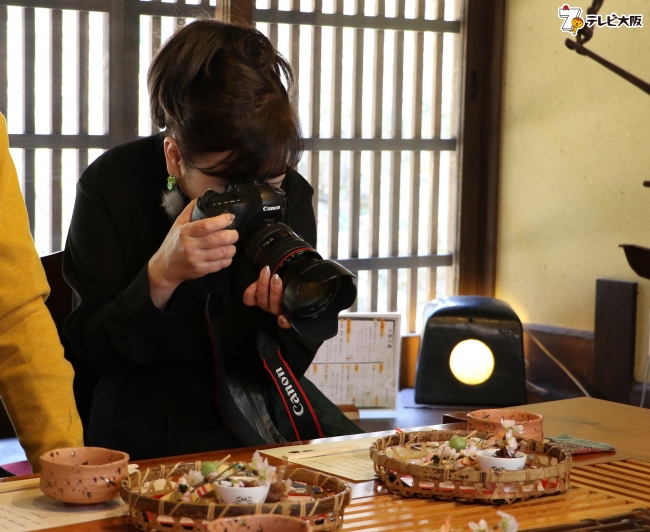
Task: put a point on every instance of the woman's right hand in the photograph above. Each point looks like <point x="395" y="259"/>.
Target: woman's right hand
<point x="190" y="250"/>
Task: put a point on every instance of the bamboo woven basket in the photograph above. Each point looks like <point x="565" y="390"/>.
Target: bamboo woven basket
<point x="546" y="474"/>
<point x="150" y="514"/>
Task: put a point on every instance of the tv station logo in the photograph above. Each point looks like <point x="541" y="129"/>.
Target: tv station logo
<point x="573" y="21"/>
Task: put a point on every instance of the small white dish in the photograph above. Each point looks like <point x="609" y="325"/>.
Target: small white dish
<point x="487" y="460"/>
<point x="245" y="495"/>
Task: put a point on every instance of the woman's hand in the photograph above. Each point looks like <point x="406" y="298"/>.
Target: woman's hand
<point x="190" y="250"/>
<point x="266" y="293"/>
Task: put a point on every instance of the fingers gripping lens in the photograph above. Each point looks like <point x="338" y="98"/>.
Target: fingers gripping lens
<point x="314" y="290"/>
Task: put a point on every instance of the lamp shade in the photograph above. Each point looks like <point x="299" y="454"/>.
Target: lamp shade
<point x="471" y="353"/>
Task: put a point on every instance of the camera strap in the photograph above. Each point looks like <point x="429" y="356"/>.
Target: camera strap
<point x="239" y="397"/>
<point x="299" y="409"/>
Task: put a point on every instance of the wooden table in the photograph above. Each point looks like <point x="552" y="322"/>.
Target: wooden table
<point x="625" y="427"/>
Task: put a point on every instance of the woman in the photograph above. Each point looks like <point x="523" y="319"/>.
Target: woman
<point x="165" y="311"/>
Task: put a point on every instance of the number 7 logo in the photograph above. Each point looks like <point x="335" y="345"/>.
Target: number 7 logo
<point x="568" y="14"/>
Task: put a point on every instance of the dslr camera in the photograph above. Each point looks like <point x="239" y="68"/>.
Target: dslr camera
<point x="314" y="290"/>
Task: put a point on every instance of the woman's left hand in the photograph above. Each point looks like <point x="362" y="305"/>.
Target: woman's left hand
<point x="266" y="293"/>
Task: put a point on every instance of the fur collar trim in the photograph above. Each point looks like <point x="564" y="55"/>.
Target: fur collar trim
<point x="173" y="201"/>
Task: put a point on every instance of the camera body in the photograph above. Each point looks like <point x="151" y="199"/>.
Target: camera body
<point x="251" y="202"/>
<point x="314" y="290"/>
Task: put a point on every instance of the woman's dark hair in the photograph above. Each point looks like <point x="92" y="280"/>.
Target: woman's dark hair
<point x="217" y="87"/>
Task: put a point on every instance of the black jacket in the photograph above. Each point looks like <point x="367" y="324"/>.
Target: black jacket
<point x="157" y="392"/>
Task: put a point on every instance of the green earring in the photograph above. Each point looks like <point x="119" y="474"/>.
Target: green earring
<point x="171" y="182"/>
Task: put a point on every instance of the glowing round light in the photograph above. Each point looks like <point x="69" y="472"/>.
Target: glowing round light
<point x="471" y="362"/>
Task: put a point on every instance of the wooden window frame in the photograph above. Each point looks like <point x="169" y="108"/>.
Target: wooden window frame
<point x="480" y="147"/>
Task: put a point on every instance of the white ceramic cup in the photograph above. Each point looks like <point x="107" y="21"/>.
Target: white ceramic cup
<point x="245" y="495"/>
<point x="487" y="460"/>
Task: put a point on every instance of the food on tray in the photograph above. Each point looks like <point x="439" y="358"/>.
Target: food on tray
<point x="428" y="464"/>
<point x="461" y="451"/>
<point x="449" y="454"/>
<point x="314" y="497"/>
<point x="458" y="443"/>
<point x="202" y="485"/>
<point x="212" y="470"/>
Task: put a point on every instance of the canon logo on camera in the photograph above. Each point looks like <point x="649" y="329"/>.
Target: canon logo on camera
<point x="298" y="409"/>
<point x="275" y="208"/>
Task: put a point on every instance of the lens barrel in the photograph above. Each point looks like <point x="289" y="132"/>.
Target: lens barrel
<point x="315" y="290"/>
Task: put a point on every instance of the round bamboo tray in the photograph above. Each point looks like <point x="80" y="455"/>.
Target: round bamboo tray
<point x="547" y="471"/>
<point x="150" y="513"/>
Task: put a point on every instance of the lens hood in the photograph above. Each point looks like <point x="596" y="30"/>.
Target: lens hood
<point x="323" y="325"/>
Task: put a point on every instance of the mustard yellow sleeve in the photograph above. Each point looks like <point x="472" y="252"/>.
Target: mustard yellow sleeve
<point x="35" y="379"/>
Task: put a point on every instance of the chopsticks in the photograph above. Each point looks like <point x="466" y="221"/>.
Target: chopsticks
<point x="313" y="453"/>
<point x="17" y="485"/>
<point x="30" y="483"/>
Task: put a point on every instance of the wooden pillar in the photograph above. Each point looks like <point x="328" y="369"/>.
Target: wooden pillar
<point x="479" y="146"/>
<point x="235" y="11"/>
<point x="614" y="339"/>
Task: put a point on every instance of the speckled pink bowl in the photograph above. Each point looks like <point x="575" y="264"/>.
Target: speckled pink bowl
<point x="83" y="475"/>
<point x="490" y="421"/>
<point x="260" y="523"/>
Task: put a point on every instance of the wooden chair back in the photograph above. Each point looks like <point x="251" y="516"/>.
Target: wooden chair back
<point x="59" y="304"/>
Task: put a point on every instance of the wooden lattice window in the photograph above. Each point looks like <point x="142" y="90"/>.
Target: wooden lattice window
<point x="378" y="88"/>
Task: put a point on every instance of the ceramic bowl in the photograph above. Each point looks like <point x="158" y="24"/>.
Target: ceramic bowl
<point x="231" y="495"/>
<point x="83" y="475"/>
<point x="260" y="523"/>
<point x="490" y="421"/>
<point x="486" y="460"/>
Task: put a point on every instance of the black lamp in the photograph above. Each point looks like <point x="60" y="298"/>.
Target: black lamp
<point x="471" y="353"/>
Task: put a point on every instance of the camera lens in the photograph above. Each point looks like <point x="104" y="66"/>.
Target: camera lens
<point x="312" y="297"/>
<point x="314" y="290"/>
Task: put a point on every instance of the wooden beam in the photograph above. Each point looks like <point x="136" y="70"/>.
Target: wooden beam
<point x="29" y="84"/>
<point x="374" y="202"/>
<point x="76" y="5"/>
<point x="334" y="182"/>
<point x="379" y="144"/>
<point x="241" y="11"/>
<point x="380" y="22"/>
<point x="408" y="360"/>
<point x="389" y="263"/>
<point x="395" y="170"/>
<point x="83" y="40"/>
<point x="29" y="141"/>
<point x="131" y="64"/>
<point x="56" y="90"/>
<point x="479" y="146"/>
